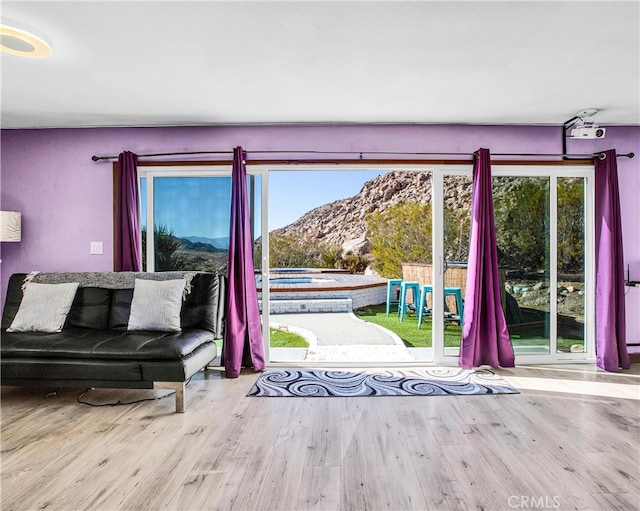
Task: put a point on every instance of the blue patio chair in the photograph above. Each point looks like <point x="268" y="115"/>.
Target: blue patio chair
<point x="390" y="285"/>
<point x="404" y="291"/>
<point x="453" y="291"/>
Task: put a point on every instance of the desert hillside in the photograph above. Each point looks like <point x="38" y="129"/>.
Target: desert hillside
<point x="343" y="222"/>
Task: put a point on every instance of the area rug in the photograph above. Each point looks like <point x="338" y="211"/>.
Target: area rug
<point x="422" y="382"/>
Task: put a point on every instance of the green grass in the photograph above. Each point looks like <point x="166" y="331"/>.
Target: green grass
<point x="282" y="339"/>
<point x="408" y="331"/>
<point x="279" y="339"/>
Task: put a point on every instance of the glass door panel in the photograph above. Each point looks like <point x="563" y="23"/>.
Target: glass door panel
<point x="571" y="265"/>
<point x="190" y="217"/>
<point x="522" y="209"/>
<point x="457" y="191"/>
<point x="337" y="240"/>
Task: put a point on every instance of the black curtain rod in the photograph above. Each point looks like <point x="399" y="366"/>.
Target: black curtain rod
<point x="361" y="153"/>
<point x="98" y="158"/>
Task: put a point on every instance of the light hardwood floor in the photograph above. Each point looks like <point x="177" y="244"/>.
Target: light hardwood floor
<point x="570" y="440"/>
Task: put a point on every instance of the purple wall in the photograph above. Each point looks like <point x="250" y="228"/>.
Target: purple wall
<point x="66" y="199"/>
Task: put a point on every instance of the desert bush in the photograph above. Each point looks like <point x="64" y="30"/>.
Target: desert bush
<point x="457" y="230"/>
<point x="286" y="251"/>
<point x="401" y="233"/>
<point x="331" y="256"/>
<point x="571" y="225"/>
<point x="522" y="224"/>
<point x="354" y="263"/>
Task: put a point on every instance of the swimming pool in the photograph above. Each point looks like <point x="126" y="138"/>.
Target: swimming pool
<point x="321" y="291"/>
<point x="284" y="280"/>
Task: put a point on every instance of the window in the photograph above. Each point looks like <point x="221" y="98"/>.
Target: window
<point x="189" y="211"/>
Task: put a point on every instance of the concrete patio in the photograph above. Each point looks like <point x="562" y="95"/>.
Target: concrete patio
<point x="342" y="337"/>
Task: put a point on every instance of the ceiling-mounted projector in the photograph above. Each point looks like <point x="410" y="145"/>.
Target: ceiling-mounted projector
<point x="588" y="131"/>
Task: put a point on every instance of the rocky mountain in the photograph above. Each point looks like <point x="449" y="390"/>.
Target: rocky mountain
<point x="343" y="222"/>
<point x="222" y="243"/>
<point x="199" y="246"/>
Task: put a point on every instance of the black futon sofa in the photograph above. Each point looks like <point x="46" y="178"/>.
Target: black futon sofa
<point x="95" y="349"/>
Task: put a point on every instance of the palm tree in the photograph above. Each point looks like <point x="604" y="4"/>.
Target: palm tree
<point x="166" y="248"/>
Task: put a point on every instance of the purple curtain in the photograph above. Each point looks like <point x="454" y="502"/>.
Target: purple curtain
<point x="485" y="338"/>
<point x="128" y="246"/>
<point x="611" y="347"/>
<point x="243" y="344"/>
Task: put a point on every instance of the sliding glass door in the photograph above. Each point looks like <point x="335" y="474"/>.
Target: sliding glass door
<point x="543" y="219"/>
<point x="523" y="235"/>
<point x="544" y="235"/>
<point x="185" y="219"/>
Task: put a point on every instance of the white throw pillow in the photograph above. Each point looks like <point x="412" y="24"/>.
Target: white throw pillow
<point x="156" y="305"/>
<point x="44" y="307"/>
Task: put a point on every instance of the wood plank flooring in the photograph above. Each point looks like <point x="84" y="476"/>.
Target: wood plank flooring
<point x="570" y="440"/>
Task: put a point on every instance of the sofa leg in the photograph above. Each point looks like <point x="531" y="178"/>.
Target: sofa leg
<point x="179" y="387"/>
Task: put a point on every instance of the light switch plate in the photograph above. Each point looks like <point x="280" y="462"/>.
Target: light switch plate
<point x="96" y="248"/>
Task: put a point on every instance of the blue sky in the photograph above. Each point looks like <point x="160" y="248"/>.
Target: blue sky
<point x="199" y="206"/>
<point x="293" y="193"/>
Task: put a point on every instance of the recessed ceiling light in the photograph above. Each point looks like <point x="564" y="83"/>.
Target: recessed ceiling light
<point x="19" y="42"/>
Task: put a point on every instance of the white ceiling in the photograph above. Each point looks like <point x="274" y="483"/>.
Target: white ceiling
<point x="150" y="63"/>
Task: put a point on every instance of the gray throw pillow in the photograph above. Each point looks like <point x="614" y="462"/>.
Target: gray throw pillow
<point x="44" y="307"/>
<point x="156" y="305"/>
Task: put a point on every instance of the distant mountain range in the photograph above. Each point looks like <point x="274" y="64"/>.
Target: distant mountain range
<point x="201" y="242"/>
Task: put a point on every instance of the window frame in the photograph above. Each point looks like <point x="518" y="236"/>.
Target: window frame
<point x="150" y="173"/>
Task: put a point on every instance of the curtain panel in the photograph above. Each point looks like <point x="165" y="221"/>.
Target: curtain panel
<point x="243" y="341"/>
<point x="485" y="338"/>
<point x="128" y="244"/>
<point x="611" y="347"/>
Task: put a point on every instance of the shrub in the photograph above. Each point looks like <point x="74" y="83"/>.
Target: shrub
<point x="286" y="251"/>
<point x="331" y="256"/>
<point x="354" y="263"/>
<point x="522" y="224"/>
<point x="571" y="225"/>
<point x="166" y="250"/>
<point x="401" y="233"/>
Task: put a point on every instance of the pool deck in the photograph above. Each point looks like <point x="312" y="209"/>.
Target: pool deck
<point x="322" y="281"/>
<point x="326" y="292"/>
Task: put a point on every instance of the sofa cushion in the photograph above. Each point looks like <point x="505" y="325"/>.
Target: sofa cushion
<point x="44" y="307"/>
<point x="156" y="305"/>
<point x="203" y="306"/>
<point x="13" y="299"/>
<point x="120" y="308"/>
<point x="90" y="308"/>
<point x="98" y="344"/>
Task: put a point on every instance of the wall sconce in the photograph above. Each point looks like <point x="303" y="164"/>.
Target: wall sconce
<point x="10" y="226"/>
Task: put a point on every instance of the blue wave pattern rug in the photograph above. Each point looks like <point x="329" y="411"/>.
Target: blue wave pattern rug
<point x="365" y="383"/>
